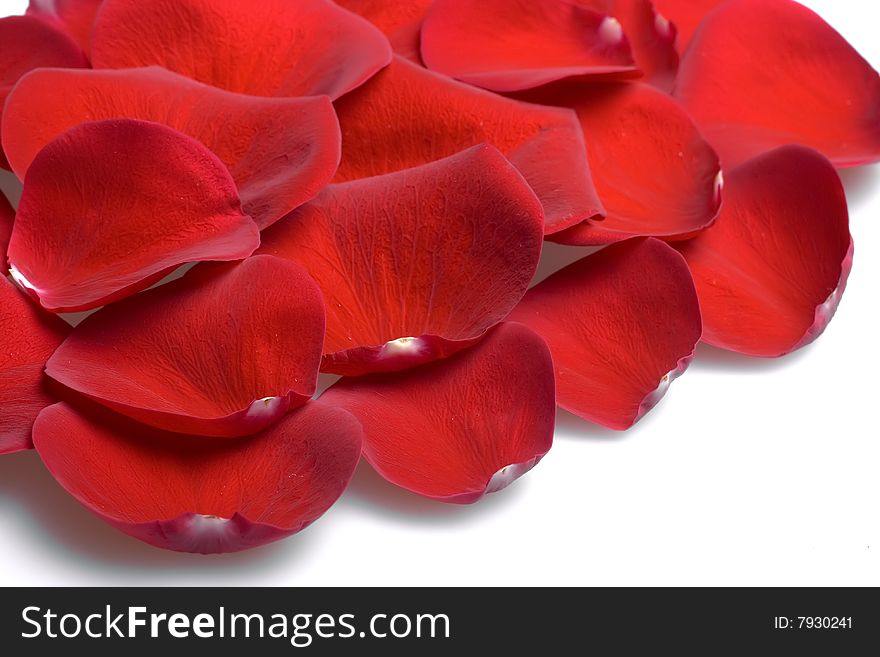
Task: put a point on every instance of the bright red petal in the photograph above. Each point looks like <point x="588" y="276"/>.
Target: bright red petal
<point x="621" y="324"/>
<point x="759" y="75"/>
<point x="651" y="37"/>
<point x="654" y="172"/>
<point x="407" y="116"/>
<point x="510" y="45"/>
<point x="75" y="17"/>
<point x="194" y="495"/>
<point x="399" y="20"/>
<point x="280" y="151"/>
<point x="29" y="43"/>
<point x="224" y="351"/>
<point x="110" y="207"/>
<point x="7" y="219"/>
<point x="686" y="15"/>
<point x="266" y="48"/>
<point x="27" y="339"/>
<point x="773" y="269"/>
<point x="463" y="427"/>
<point x="417" y="264"/>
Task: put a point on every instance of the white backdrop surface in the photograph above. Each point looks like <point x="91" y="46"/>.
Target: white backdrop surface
<point x="748" y="473"/>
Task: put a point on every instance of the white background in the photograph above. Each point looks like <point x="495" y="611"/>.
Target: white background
<point x="748" y="473"/>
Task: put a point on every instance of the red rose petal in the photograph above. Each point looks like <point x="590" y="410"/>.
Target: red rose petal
<point x="193" y="495"/>
<point x="266" y="48"/>
<point x="280" y="151"/>
<point x="29" y="337"/>
<point x="651" y="37"/>
<point x="686" y="15"/>
<point x="110" y="207"/>
<point x="417" y="264"/>
<point x="621" y="324"/>
<point x="773" y="269"/>
<point x="30" y="43"/>
<point x="399" y="20"/>
<point x="759" y="75"/>
<point x="75" y="17"/>
<point x="224" y="351"/>
<point x="510" y="45"/>
<point x="7" y="219"/>
<point x="460" y="428"/>
<point x="654" y="172"/>
<point x="407" y="116"/>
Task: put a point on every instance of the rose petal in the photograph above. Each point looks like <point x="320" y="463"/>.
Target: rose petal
<point x="280" y="151"/>
<point x="7" y="219"/>
<point x="621" y="325"/>
<point x="399" y="20"/>
<point x="110" y="207"/>
<point x="651" y="37"/>
<point x="686" y="16"/>
<point x="654" y="172"/>
<point x="29" y="336"/>
<point x="458" y="429"/>
<point x="266" y="48"/>
<point x="30" y="43"/>
<point x="407" y="116"/>
<point x="773" y="269"/>
<point x="224" y="351"/>
<point x="510" y="45"/>
<point x="417" y="264"/>
<point x="760" y="74"/>
<point x="188" y="494"/>
<point x="75" y="17"/>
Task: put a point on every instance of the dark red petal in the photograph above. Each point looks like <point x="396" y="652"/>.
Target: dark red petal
<point x="194" y="495"/>
<point x="27" y="339"/>
<point x="108" y="208"/>
<point x="73" y="16"/>
<point x="280" y="151"/>
<point x="7" y="218"/>
<point x="30" y="43"/>
<point x="407" y="116"/>
<point x="460" y="428"/>
<point x="759" y="75"/>
<point x="417" y="264"/>
<point x="622" y="325"/>
<point x="686" y="15"/>
<point x="510" y="45"/>
<point x="224" y="351"/>
<point x="266" y="48"/>
<point x="654" y="172"/>
<point x="399" y="20"/>
<point x="773" y="269"/>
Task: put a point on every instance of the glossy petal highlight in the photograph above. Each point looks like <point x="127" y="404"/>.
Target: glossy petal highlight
<point x="75" y="17"/>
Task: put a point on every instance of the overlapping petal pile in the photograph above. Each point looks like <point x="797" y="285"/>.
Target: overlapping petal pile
<point x="363" y="188"/>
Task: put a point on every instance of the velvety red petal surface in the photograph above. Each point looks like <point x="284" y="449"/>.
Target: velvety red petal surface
<point x="30" y="43"/>
<point x="266" y="48"/>
<point x="653" y="170"/>
<point x="110" y="207"/>
<point x="407" y="116"/>
<point x="417" y="264"/>
<point x="7" y="218"/>
<point x="399" y="20"/>
<point x="75" y="17"/>
<point x="771" y="272"/>
<point x="224" y="351"/>
<point x="621" y="324"/>
<point x="28" y="337"/>
<point x="462" y="427"/>
<point x="686" y="16"/>
<point x="194" y="495"/>
<point x="280" y="151"/>
<point x="651" y="37"/>
<point x="759" y="75"/>
<point x="510" y="45"/>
